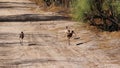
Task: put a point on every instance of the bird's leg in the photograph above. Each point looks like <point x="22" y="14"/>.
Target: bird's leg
<point x="68" y="41"/>
<point x="20" y="41"/>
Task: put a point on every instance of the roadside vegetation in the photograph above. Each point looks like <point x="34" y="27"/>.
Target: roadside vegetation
<point x="104" y="14"/>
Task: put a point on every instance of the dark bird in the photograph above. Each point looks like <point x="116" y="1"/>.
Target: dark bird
<point x="21" y="37"/>
<point x="69" y="34"/>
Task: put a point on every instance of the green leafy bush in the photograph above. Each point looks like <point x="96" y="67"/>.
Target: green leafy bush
<point x="80" y="7"/>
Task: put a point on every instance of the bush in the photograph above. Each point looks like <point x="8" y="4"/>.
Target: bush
<point x="80" y="7"/>
<point x="104" y="14"/>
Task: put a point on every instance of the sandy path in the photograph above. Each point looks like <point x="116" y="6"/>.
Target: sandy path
<point x="50" y="49"/>
<point x="13" y="7"/>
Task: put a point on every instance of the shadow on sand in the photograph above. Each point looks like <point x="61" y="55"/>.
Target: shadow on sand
<point x="30" y="17"/>
<point x="3" y="7"/>
<point x="16" y="3"/>
<point x="40" y="61"/>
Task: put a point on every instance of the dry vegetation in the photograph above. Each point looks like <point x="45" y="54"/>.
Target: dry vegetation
<point x="52" y="8"/>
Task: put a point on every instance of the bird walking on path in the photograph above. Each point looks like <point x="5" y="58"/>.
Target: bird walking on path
<point x="21" y="38"/>
<point x="69" y="34"/>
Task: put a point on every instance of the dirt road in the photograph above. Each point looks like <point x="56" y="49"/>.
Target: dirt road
<point x="45" y="44"/>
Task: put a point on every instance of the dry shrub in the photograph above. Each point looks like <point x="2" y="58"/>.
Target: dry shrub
<point x="115" y="34"/>
<point x="38" y="2"/>
<point x="59" y="9"/>
<point x="91" y="28"/>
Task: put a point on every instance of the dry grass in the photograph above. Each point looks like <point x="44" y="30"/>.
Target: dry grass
<point x="39" y="2"/>
<point x="94" y="29"/>
<point x="53" y="8"/>
<point x="115" y="34"/>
